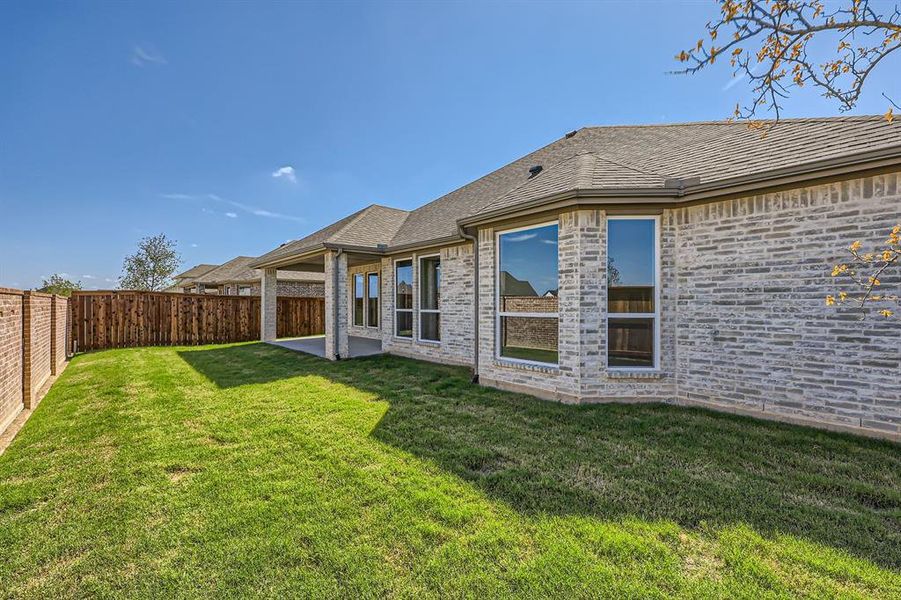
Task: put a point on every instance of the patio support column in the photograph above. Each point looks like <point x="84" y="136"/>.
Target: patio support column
<point x="336" y="342"/>
<point x="268" y="305"/>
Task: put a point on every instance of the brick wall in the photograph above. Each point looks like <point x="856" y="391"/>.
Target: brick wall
<point x="299" y="289"/>
<point x="754" y="331"/>
<point x="39" y="321"/>
<point x="11" y="340"/>
<point x="33" y="346"/>
<point x="743" y="324"/>
<point x="60" y="349"/>
<point x="455" y="305"/>
<point x="527" y="332"/>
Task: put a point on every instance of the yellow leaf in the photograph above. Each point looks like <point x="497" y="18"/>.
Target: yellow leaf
<point x="889" y="116"/>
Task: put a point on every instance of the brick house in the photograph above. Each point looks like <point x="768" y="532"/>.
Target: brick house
<point x="237" y="278"/>
<point x="682" y="263"/>
<point x="184" y="282"/>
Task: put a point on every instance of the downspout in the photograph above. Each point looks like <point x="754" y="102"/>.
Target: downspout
<point x="335" y="294"/>
<point x="475" y="301"/>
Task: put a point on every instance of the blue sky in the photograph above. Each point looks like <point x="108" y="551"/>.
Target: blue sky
<point x="120" y="120"/>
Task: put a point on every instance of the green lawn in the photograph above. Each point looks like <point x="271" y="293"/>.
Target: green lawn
<point x="229" y="471"/>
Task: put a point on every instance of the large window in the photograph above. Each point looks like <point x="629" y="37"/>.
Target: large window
<point x="633" y="317"/>
<point x="527" y="294"/>
<point x="372" y="300"/>
<point x="429" y="298"/>
<point x="358" y="299"/>
<point x="403" y="298"/>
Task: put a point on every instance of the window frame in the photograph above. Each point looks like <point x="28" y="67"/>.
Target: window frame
<point x="353" y="299"/>
<point x="418" y="301"/>
<point x="498" y="314"/>
<point x="249" y="289"/>
<point x="412" y="309"/>
<point x="378" y="298"/>
<point x="654" y="315"/>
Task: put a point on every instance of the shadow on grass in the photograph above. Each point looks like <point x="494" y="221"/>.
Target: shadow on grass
<point x="691" y="466"/>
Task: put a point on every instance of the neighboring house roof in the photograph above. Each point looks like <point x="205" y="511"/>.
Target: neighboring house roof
<point x="512" y="286"/>
<point x="665" y="161"/>
<point x="238" y="270"/>
<point x="196" y="271"/>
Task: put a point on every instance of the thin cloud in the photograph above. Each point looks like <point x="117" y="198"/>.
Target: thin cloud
<point x="733" y="82"/>
<point x="245" y="208"/>
<point x="193" y="245"/>
<point x="549" y="242"/>
<point x="287" y="172"/>
<point x="144" y="55"/>
<point x="522" y="237"/>
<point x="88" y="277"/>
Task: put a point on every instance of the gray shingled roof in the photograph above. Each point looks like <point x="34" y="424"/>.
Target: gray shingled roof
<point x="196" y="271"/>
<point x="614" y="158"/>
<point x="369" y="227"/>
<point x="238" y="270"/>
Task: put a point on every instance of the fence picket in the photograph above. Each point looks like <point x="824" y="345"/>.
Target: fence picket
<point x="127" y="319"/>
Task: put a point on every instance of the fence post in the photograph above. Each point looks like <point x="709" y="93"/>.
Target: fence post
<point x="27" y="347"/>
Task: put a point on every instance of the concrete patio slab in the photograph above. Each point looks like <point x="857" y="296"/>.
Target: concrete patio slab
<point x="315" y="345"/>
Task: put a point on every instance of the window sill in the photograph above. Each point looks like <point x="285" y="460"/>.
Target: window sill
<point x="526" y="366"/>
<point x="634" y="374"/>
<point x="429" y="342"/>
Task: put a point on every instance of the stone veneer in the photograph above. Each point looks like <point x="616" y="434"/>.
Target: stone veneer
<point x="744" y="326"/>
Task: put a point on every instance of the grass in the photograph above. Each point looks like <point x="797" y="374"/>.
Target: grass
<point x="533" y="354"/>
<point x="249" y="470"/>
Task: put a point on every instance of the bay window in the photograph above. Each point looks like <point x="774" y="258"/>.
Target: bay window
<point x="358" y="300"/>
<point x="633" y="306"/>
<point x="429" y="290"/>
<point x="527" y="288"/>
<point x="403" y="298"/>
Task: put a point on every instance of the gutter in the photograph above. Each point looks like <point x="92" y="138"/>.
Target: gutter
<point x="475" y="301"/>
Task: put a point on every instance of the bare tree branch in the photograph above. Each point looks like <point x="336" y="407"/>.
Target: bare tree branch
<point x="772" y="44"/>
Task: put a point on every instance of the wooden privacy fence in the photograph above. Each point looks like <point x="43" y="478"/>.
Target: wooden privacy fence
<point x="114" y="319"/>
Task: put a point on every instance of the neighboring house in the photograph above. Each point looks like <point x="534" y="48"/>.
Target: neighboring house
<point x="236" y="278"/>
<point x="723" y="240"/>
<point x="184" y="281"/>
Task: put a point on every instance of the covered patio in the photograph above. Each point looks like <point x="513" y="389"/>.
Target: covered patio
<point x="315" y="345"/>
<point x="336" y="343"/>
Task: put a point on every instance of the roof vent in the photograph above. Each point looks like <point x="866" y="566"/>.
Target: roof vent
<point x="571" y="133"/>
<point x="535" y="171"/>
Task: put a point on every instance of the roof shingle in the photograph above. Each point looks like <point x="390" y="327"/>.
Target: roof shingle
<point x="640" y="157"/>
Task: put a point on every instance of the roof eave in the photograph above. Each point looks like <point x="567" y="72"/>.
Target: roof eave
<point x="289" y="259"/>
<point x="865" y="161"/>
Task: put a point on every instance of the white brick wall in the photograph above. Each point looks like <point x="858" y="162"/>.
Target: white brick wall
<point x="455" y="306"/>
<point x="743" y="321"/>
<point x="754" y="331"/>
